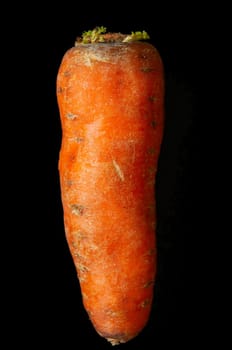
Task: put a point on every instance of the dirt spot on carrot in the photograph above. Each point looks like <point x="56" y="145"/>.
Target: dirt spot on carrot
<point x="67" y="73"/>
<point x="149" y="256"/>
<point x="145" y="303"/>
<point x="77" y="254"/>
<point x="79" y="235"/>
<point x="79" y="139"/>
<point x="152" y="98"/>
<point x="71" y="116"/>
<point x="148" y="284"/>
<point x="77" y="209"/>
<point x="59" y="90"/>
<point x="147" y="69"/>
<point x="151" y="252"/>
<point x="76" y="139"/>
<point x="153" y="124"/>
<point x="82" y="267"/>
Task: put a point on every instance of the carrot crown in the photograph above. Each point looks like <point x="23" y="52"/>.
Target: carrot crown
<point x="100" y="35"/>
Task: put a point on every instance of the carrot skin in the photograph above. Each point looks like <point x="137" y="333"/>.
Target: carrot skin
<point x="111" y="104"/>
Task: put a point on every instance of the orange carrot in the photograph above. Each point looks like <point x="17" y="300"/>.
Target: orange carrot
<point x="110" y="92"/>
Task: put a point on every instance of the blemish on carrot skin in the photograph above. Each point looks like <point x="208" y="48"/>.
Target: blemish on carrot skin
<point x="98" y="56"/>
<point x="153" y="124"/>
<point x="76" y="139"/>
<point x="67" y="73"/>
<point x="151" y="150"/>
<point x="152" y="98"/>
<point x="151" y="207"/>
<point x="151" y="251"/>
<point x="73" y="244"/>
<point x="148" y="284"/>
<point x="72" y="158"/>
<point x="82" y="268"/>
<point x="147" y="69"/>
<point x="143" y="56"/>
<point x="114" y="313"/>
<point x="152" y="171"/>
<point x="118" y="170"/>
<point x="79" y="139"/>
<point x="77" y="209"/>
<point x="68" y="183"/>
<point x="150" y="183"/>
<point x="149" y="256"/>
<point x="71" y="116"/>
<point x="60" y="90"/>
<point x="77" y="255"/>
<point x="145" y="303"/>
<point x="79" y="235"/>
<point x="154" y="225"/>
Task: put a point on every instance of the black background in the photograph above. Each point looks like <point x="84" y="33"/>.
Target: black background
<point x="48" y="300"/>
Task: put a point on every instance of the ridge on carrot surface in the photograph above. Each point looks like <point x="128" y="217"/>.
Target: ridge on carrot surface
<point x="100" y="35"/>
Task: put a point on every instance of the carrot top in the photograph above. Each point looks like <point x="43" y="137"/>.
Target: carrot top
<point x="100" y="35"/>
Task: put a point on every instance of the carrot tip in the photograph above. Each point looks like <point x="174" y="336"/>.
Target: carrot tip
<point x="115" y="341"/>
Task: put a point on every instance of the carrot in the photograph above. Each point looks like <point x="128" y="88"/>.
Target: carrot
<point x="110" y="93"/>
